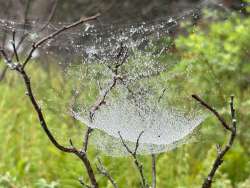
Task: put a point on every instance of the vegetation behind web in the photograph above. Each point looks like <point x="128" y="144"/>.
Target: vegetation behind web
<point x="217" y="53"/>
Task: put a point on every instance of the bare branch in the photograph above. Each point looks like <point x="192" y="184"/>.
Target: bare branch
<point x="51" y="15"/>
<point x="84" y="184"/>
<point x="162" y="94"/>
<point x="219" y="117"/>
<point x="54" y="34"/>
<point x="221" y="152"/>
<point x="13" y="42"/>
<point x="124" y="144"/>
<point x="101" y="100"/>
<point x="5" y="56"/>
<point x="153" y="171"/>
<point x="26" y="12"/>
<point x="81" y="154"/>
<point x="137" y="142"/>
<point x="138" y="165"/>
<point x="102" y="170"/>
<point x="3" y="73"/>
<point x="86" y="139"/>
<point x="25" y="22"/>
<point x="20" y="69"/>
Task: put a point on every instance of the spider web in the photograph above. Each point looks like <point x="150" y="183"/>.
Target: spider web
<point x="147" y="98"/>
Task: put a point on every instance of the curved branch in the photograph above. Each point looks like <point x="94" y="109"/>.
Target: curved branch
<point x="102" y="170"/>
<point x="81" y="154"/>
<point x="20" y="69"/>
<point x="56" y="33"/>
<point x="221" y="151"/>
<point x="138" y="164"/>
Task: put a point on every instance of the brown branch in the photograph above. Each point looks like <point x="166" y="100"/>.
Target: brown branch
<point x="26" y="12"/>
<point x="54" y="34"/>
<point x="221" y="151"/>
<point x="81" y="154"/>
<point x="51" y="15"/>
<point x="3" y="73"/>
<point x="5" y="56"/>
<point x="86" y="139"/>
<point x="25" y="22"/>
<point x="123" y="54"/>
<point x="84" y="184"/>
<point x="101" y="99"/>
<point x="20" y="69"/>
<point x="14" y="45"/>
<point x="138" y="165"/>
<point x="211" y="109"/>
<point x="153" y="170"/>
<point x="102" y="170"/>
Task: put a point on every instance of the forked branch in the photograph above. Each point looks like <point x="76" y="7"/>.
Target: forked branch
<point x="20" y="69"/>
<point x="102" y="170"/>
<point x="56" y="33"/>
<point x="138" y="164"/>
<point x="221" y="152"/>
<point x="120" y="60"/>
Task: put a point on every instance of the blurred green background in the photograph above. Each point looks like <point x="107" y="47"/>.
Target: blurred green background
<point x="216" y="51"/>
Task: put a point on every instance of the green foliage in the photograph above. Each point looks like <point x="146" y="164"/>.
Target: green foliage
<point x="216" y="61"/>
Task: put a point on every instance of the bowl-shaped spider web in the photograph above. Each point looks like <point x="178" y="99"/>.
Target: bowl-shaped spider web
<point x="120" y="80"/>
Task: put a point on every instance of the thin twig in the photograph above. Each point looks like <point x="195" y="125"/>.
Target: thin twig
<point x="221" y="152"/>
<point x="25" y="35"/>
<point x="3" y="73"/>
<point x="25" y="22"/>
<point x="138" y="164"/>
<point x="153" y="170"/>
<point x="51" y="15"/>
<point x="13" y="42"/>
<point x="86" y="139"/>
<point x="210" y="108"/>
<point x="20" y="69"/>
<point x="26" y="12"/>
<point x="54" y="34"/>
<point x="162" y="94"/>
<point x="5" y="56"/>
<point x="102" y="170"/>
<point x="84" y="184"/>
<point x="101" y="100"/>
<point x="82" y="155"/>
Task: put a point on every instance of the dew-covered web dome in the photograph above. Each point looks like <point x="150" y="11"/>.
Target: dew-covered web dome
<point x="121" y="80"/>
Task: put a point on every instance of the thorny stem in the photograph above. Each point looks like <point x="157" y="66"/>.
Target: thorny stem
<point x="221" y="151"/>
<point x="138" y="164"/>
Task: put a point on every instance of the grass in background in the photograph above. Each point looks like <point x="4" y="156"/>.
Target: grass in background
<point x="28" y="159"/>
